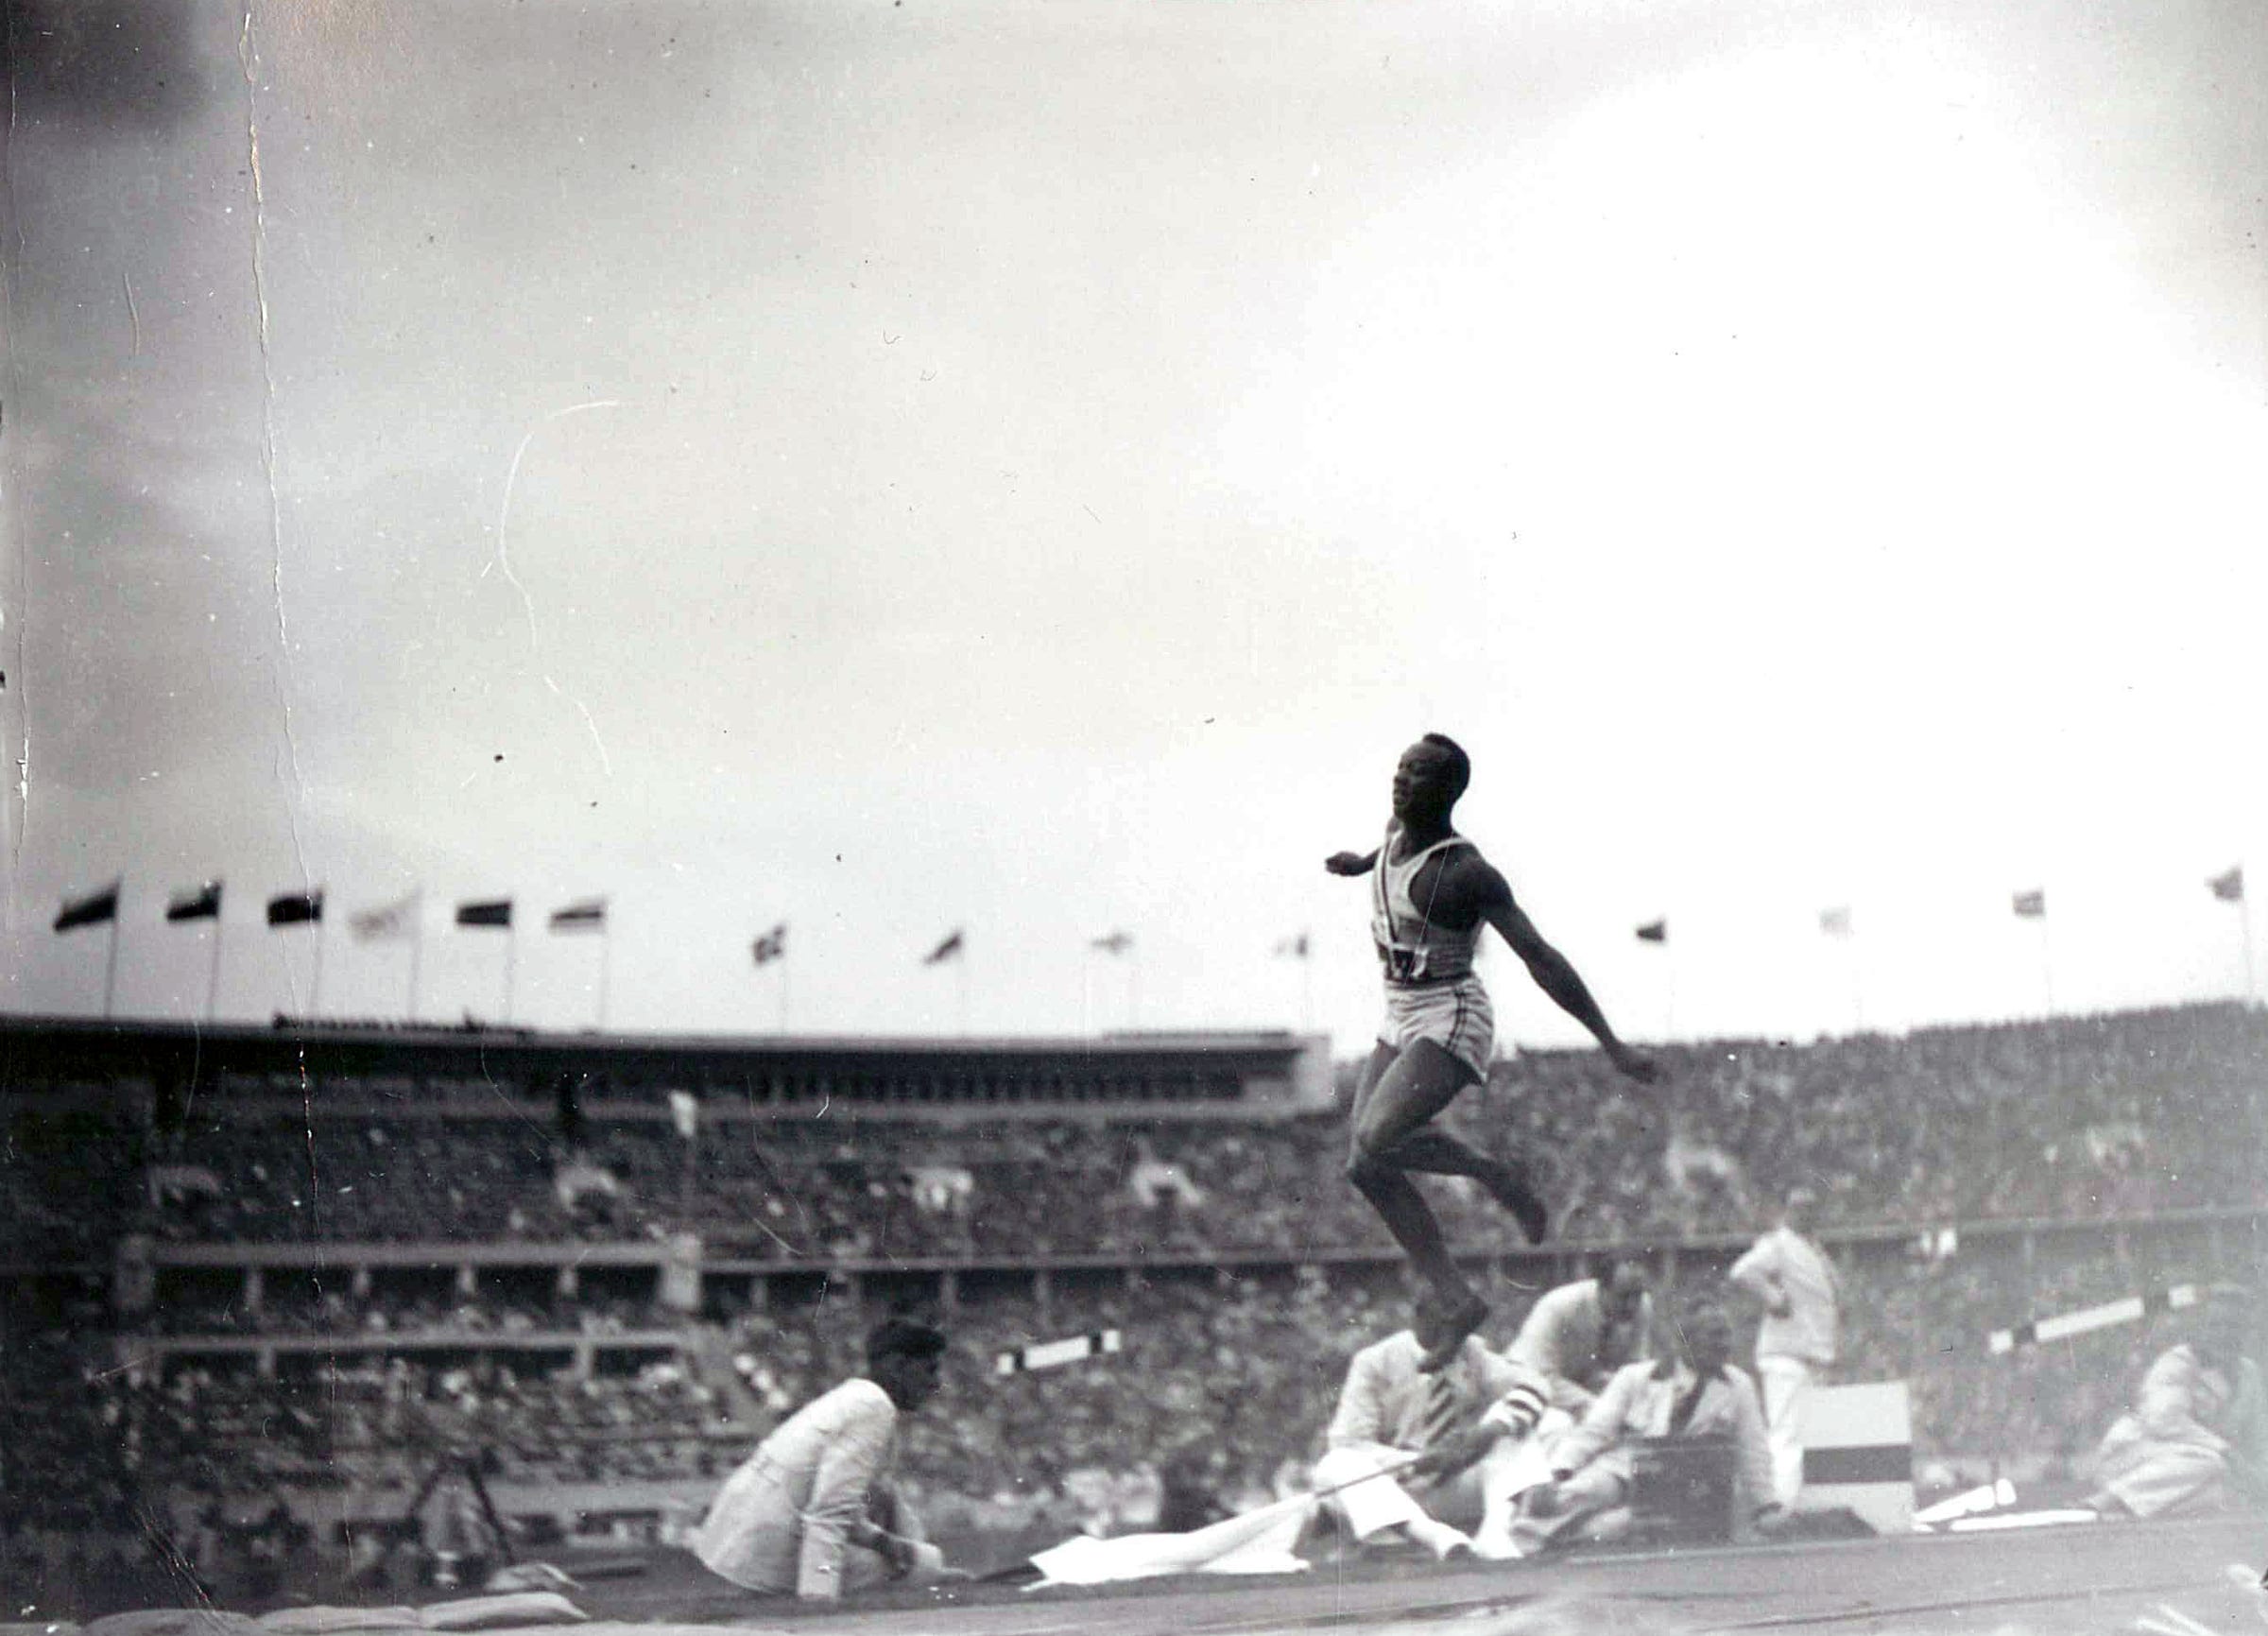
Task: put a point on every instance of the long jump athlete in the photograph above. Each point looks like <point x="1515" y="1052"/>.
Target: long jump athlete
<point x="1432" y="894"/>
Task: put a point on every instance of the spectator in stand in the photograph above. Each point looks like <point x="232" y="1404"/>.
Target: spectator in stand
<point x="813" y="1511"/>
<point x="1701" y="1174"/>
<point x="1698" y="1393"/>
<point x="1460" y="1424"/>
<point x="2197" y="1438"/>
<point x="1796" y="1284"/>
<point x="1575" y="1336"/>
<point x="1164" y="1191"/>
<point x="587" y="1192"/>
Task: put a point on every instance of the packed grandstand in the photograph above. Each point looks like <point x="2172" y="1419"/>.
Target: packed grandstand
<point x="285" y="1266"/>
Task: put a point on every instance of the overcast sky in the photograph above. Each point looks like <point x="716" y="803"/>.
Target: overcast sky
<point x="892" y="466"/>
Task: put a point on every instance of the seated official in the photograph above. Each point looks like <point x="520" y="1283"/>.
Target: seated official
<point x="2196" y="1439"/>
<point x="1697" y="1393"/>
<point x="813" y="1511"/>
<point x="1578" y="1334"/>
<point x="1465" y="1420"/>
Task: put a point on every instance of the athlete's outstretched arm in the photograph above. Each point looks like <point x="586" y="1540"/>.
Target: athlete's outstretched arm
<point x="1552" y="971"/>
<point x="1351" y="863"/>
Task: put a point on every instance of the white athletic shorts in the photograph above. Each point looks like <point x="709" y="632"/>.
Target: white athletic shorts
<point x="1454" y="1015"/>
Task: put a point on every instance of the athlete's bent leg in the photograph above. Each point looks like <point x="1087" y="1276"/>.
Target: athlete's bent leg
<point x="1421" y="1080"/>
<point x="1511" y="1183"/>
<point x="1374" y="1069"/>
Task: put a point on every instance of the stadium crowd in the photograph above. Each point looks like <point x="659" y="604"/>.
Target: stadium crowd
<point x="2084" y="1120"/>
<point x="2079" y="1117"/>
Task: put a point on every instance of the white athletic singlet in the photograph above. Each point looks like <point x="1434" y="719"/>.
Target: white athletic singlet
<point x="1411" y="947"/>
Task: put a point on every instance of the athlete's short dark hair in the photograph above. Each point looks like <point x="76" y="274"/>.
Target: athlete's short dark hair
<point x="1460" y="765"/>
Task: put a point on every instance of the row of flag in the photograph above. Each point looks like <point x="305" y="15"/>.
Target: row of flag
<point x="396" y="919"/>
<point x="401" y="918"/>
<point x="772" y="946"/>
<point x="2227" y="887"/>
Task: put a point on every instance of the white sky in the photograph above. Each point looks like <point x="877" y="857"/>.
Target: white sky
<point x="1030" y="465"/>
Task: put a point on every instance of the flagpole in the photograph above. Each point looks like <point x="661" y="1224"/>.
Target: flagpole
<point x="213" y="973"/>
<point x="315" y="982"/>
<point x="417" y="947"/>
<point x="2244" y="924"/>
<point x="2047" y="966"/>
<point x="1307" y="990"/>
<point x="606" y="945"/>
<point x="1858" y="988"/>
<point x="110" y="970"/>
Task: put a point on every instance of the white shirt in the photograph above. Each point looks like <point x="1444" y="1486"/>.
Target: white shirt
<point x="1785" y="1266"/>
<point x="1565" y="1339"/>
<point x="1640" y="1402"/>
<point x="782" y="1520"/>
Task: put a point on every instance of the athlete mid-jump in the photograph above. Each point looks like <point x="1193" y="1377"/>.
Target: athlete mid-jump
<point x="1432" y="894"/>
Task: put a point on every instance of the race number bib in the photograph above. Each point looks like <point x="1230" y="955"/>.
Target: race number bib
<point x="1403" y="963"/>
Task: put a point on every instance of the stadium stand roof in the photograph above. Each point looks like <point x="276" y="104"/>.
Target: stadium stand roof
<point x="1258" y="1067"/>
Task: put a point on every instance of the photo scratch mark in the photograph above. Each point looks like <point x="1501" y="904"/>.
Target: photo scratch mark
<point x="527" y="603"/>
<point x="248" y="57"/>
<point x="132" y="312"/>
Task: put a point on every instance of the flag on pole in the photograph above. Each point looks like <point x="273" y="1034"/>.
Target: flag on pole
<point x="1835" y="923"/>
<point x="2030" y="905"/>
<point x="771" y="946"/>
<point x="2229" y="888"/>
<point x="386" y="923"/>
<point x="1653" y="932"/>
<point x="485" y="912"/>
<point x="588" y="915"/>
<point x="92" y="910"/>
<point x="295" y="909"/>
<point x="948" y="949"/>
<point x="1296" y="948"/>
<point x="196" y="904"/>
<point x="1114" y="942"/>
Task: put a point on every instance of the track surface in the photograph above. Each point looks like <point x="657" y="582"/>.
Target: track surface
<point x="2047" y="1582"/>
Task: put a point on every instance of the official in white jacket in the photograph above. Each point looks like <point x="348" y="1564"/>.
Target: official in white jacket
<point x="1796" y="1342"/>
<point x="813" y="1511"/>
<point x="1698" y="1394"/>
<point x="1578" y="1334"/>
<point x="1425" y="1457"/>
